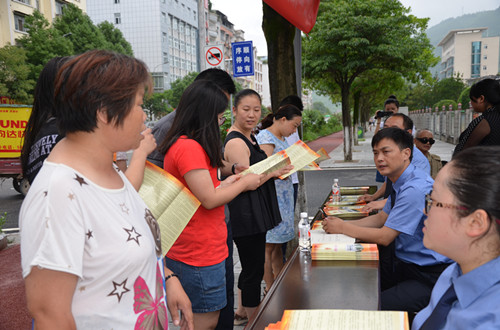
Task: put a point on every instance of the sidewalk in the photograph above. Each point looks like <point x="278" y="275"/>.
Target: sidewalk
<point x="362" y="154"/>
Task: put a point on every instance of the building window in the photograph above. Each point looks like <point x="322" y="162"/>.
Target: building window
<point x="163" y="17"/>
<point x="118" y="18"/>
<point x="484" y="67"/>
<point x="164" y="38"/>
<point x="183" y="46"/>
<point x="475" y="59"/>
<point x="176" y="24"/>
<point x="117" y="2"/>
<point x="158" y="81"/>
<point x="485" y="57"/>
<point x="165" y="58"/>
<point x="28" y="2"/>
<point x="176" y="43"/>
<point x="19" y="22"/>
<point x="59" y="8"/>
<point x="181" y="27"/>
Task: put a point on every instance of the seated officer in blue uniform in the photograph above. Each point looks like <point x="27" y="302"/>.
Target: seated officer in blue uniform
<point x="417" y="268"/>
<point x="464" y="224"/>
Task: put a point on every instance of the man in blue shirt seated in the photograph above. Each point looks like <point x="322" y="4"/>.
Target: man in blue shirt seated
<point x="401" y="220"/>
<point x="402" y="121"/>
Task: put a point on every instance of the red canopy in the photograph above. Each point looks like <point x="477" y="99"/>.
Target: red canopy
<point x="301" y="13"/>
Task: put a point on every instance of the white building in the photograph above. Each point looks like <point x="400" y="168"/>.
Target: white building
<point x="470" y="53"/>
<point x="163" y="33"/>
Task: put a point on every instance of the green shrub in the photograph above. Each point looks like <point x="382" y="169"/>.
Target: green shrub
<point x="446" y="103"/>
<point x="464" y="98"/>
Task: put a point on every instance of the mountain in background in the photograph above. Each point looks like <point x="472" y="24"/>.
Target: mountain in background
<point x="489" y="19"/>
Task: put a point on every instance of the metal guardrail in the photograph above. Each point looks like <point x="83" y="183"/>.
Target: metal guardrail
<point x="445" y="125"/>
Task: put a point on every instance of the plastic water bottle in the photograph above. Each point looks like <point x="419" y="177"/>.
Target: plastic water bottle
<point x="304" y="233"/>
<point x="336" y="197"/>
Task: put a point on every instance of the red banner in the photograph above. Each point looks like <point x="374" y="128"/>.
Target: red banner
<point x="300" y="13"/>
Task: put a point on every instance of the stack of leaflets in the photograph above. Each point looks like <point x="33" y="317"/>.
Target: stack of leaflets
<point x="344" y="251"/>
<point x="354" y="190"/>
<point x="339" y="247"/>
<point x="336" y="319"/>
<point x="346" y="212"/>
<point x="346" y="200"/>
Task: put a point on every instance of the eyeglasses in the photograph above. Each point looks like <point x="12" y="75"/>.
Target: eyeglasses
<point x="425" y="140"/>
<point x="429" y="202"/>
<point x="222" y="120"/>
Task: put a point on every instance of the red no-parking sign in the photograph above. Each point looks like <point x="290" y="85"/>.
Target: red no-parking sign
<point x="214" y="57"/>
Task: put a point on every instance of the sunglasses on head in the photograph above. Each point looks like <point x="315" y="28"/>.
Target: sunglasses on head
<point x="425" y="140"/>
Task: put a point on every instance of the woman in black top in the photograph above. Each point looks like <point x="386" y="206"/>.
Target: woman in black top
<point x="485" y="129"/>
<point x="41" y="133"/>
<point x="252" y="213"/>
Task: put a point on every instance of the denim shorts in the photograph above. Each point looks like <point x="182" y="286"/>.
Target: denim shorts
<point x="205" y="286"/>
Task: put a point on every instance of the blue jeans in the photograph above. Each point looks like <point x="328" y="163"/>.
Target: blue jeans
<point x="205" y="286"/>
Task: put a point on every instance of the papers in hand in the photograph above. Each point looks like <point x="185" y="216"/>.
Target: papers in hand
<point x="273" y="163"/>
<point x="171" y="203"/>
<point x="298" y="154"/>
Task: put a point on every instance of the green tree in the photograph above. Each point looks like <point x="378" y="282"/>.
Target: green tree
<point x="42" y="43"/>
<point x="173" y="95"/>
<point x="353" y="36"/>
<point x="419" y="96"/>
<point x="14" y="74"/>
<point x="448" y="89"/>
<point x="115" y="39"/>
<point x="80" y="30"/>
<point x="464" y="98"/>
<point x="157" y="105"/>
<point x="320" y="106"/>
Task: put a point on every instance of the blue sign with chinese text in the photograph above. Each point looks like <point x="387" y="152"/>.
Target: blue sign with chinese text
<point x="242" y="58"/>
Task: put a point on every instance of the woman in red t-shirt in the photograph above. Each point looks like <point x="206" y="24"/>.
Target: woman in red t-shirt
<point x="193" y="154"/>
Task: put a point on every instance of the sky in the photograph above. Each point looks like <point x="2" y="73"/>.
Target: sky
<point x="247" y="15"/>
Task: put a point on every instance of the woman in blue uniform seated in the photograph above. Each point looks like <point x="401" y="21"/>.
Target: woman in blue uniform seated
<point x="464" y="224"/>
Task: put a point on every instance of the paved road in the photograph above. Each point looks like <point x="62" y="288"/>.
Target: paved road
<point x="10" y="202"/>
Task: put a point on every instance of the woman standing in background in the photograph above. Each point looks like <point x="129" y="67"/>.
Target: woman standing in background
<point x="485" y="129"/>
<point x="252" y="213"/>
<point x="193" y="154"/>
<point x="275" y="127"/>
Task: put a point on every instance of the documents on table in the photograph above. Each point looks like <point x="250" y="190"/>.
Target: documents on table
<point x="344" y="251"/>
<point x="346" y="200"/>
<point x="340" y="319"/>
<point x="318" y="235"/>
<point x="171" y="203"/>
<point x="354" y="190"/>
<point x="345" y="211"/>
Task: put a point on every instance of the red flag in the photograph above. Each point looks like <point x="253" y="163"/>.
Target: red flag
<point x="300" y="13"/>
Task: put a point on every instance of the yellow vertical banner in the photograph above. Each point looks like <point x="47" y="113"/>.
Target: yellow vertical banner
<point x="13" y="121"/>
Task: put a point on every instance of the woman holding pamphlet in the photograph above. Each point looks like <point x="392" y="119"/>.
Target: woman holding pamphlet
<point x="91" y="258"/>
<point x="275" y="127"/>
<point x="193" y="154"/>
<point x="252" y="213"/>
<point x="463" y="224"/>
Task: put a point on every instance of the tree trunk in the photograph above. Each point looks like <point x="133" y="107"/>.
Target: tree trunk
<point x="356" y="96"/>
<point x="281" y="58"/>
<point x="347" y="123"/>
